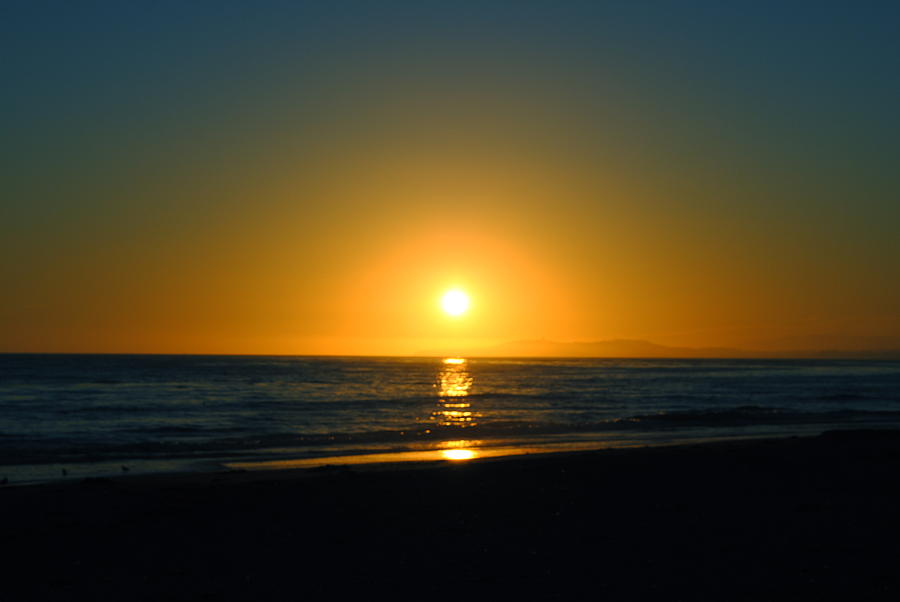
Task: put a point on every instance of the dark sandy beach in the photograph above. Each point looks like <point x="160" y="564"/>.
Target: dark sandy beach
<point x="789" y="519"/>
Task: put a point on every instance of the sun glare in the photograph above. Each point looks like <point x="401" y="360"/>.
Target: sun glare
<point x="455" y="302"/>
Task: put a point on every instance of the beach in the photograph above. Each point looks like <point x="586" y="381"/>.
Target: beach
<point x="504" y="300"/>
<point x="786" y="519"/>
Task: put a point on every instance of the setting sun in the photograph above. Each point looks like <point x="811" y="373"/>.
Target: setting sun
<point x="455" y="302"/>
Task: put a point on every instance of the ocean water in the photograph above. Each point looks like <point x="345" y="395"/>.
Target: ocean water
<point x="96" y="415"/>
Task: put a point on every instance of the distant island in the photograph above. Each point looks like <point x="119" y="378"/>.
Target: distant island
<point x="812" y="346"/>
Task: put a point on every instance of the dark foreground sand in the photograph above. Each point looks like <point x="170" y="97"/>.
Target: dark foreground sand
<point x="791" y="519"/>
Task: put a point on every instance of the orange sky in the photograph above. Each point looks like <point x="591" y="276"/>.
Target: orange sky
<point x="316" y="193"/>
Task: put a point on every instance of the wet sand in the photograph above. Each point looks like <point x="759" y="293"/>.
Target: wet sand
<point x="788" y="519"/>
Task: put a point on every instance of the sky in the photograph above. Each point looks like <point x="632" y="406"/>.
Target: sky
<point x="309" y="178"/>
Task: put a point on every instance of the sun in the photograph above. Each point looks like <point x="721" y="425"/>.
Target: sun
<point x="455" y="302"/>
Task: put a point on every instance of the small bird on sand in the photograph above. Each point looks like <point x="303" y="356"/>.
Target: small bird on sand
<point x="65" y="472"/>
<point x="124" y="468"/>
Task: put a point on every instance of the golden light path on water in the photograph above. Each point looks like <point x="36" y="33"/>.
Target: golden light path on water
<point x="454" y="413"/>
<point x="454" y="383"/>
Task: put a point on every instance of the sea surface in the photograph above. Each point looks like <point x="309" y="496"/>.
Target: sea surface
<point x="75" y="416"/>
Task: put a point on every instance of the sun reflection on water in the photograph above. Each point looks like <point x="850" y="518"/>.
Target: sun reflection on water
<point x="454" y="383"/>
<point x="458" y="454"/>
<point x="460" y="449"/>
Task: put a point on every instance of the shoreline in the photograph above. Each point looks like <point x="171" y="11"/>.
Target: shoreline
<point x="28" y="475"/>
<point x="783" y="518"/>
<point x="436" y="452"/>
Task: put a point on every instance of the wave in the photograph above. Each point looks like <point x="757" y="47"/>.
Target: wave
<point x="181" y="444"/>
<point x="757" y="415"/>
<point x="841" y="397"/>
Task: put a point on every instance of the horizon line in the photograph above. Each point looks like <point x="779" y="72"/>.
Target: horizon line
<point x="875" y="354"/>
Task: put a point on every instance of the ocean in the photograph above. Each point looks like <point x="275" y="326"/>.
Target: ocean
<point x="76" y="416"/>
